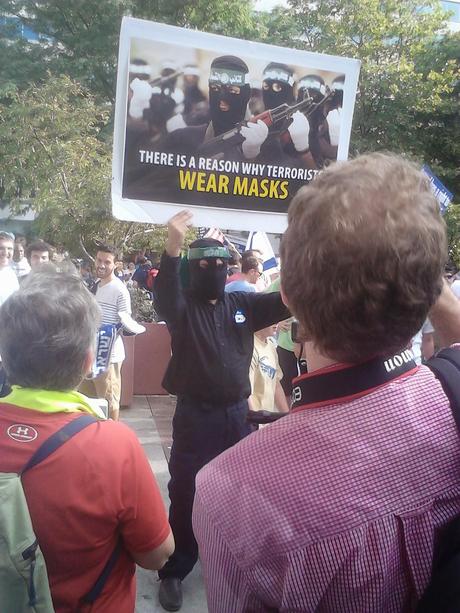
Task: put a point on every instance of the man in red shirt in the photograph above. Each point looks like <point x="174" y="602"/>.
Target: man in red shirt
<point x="98" y="487"/>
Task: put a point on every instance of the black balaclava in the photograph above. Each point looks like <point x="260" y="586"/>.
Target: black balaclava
<point x="169" y="85"/>
<point x="278" y="85"/>
<point x="228" y="71"/>
<point x="337" y="87"/>
<point x="208" y="283"/>
<point x="161" y="108"/>
<point x="314" y="85"/>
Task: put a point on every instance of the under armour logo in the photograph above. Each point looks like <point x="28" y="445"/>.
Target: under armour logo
<point x="22" y="433"/>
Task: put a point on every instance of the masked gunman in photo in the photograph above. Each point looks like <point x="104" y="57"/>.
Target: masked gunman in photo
<point x="212" y="345"/>
<point x="325" y="121"/>
<point x="288" y="140"/>
<point x="229" y="93"/>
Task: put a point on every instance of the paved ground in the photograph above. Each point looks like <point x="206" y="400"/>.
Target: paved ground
<point x="150" y="417"/>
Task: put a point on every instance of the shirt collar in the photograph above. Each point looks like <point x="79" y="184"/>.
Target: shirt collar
<point x="345" y="382"/>
<point x="52" y="401"/>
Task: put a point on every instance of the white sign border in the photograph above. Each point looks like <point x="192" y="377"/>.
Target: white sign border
<point x="236" y="219"/>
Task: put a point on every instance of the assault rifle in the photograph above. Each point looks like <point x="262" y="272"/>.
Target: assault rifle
<point x="161" y="81"/>
<point x="271" y="117"/>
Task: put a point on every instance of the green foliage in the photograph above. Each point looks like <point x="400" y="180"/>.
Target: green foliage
<point x="398" y="90"/>
<point x="54" y="130"/>
<point x="408" y="70"/>
<point x="142" y="306"/>
<point x="441" y="130"/>
<point x="80" y="38"/>
<point x="409" y="85"/>
<point x="452" y="219"/>
<point x="56" y="158"/>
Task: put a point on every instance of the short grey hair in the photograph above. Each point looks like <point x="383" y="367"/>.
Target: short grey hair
<point x="46" y="330"/>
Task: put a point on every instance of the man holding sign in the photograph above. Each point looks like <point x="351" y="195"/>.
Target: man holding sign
<point x="212" y="344"/>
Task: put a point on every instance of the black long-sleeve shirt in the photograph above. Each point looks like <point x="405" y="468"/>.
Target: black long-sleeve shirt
<point x="211" y="344"/>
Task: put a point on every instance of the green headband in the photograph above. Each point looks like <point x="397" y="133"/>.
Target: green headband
<point x="200" y="253"/>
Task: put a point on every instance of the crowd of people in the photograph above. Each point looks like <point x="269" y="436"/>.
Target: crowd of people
<point x="341" y="504"/>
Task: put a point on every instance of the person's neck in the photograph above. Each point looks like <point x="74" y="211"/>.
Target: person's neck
<point x="315" y="359"/>
<point x="107" y="280"/>
<point x="248" y="278"/>
<point x="262" y="338"/>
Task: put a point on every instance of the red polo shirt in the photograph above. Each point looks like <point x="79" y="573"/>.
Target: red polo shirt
<point x="96" y="486"/>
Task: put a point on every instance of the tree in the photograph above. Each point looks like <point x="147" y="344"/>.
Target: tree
<point x="441" y="130"/>
<point x="403" y="85"/>
<point x="80" y="38"/>
<point x="50" y="143"/>
<point x="61" y="126"/>
<point x="452" y="219"/>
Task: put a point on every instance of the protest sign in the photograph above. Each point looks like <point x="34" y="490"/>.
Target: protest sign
<point x="229" y="128"/>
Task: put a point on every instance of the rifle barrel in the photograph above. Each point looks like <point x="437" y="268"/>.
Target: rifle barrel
<point x="166" y="78"/>
<point x="233" y="137"/>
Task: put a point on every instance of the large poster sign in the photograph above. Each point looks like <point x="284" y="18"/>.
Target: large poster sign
<point x="227" y="127"/>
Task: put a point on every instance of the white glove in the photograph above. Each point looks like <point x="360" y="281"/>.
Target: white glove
<point x="254" y="135"/>
<point x="299" y="130"/>
<point x="129" y="324"/>
<point x="176" y="122"/>
<point x="333" y="122"/>
<point x="178" y="96"/>
<point x="142" y="92"/>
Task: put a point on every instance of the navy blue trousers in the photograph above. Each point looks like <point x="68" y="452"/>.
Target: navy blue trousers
<point x="200" y="433"/>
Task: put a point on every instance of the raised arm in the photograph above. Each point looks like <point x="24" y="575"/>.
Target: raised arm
<point x="169" y="299"/>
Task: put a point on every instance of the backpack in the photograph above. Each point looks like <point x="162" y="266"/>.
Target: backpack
<point x="24" y="586"/>
<point x="150" y="278"/>
<point x="442" y="594"/>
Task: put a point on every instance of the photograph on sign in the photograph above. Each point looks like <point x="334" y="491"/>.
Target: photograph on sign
<point x="227" y="127"/>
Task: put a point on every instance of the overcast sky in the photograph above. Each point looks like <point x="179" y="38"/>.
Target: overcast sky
<point x="267" y="5"/>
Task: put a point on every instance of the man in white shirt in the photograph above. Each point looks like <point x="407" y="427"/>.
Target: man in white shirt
<point x="8" y="280"/>
<point x="423" y="342"/>
<point x="20" y="264"/>
<point x="113" y="298"/>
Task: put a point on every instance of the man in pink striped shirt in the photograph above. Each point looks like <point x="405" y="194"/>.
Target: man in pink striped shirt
<point x="338" y="507"/>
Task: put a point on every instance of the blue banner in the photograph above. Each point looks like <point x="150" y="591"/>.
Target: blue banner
<point x="440" y="191"/>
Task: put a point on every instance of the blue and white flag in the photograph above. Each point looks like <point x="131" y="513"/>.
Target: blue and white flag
<point x="440" y="191"/>
<point x="259" y="240"/>
<point x="105" y="338"/>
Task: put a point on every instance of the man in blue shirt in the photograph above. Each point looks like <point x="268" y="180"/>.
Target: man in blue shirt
<point x="251" y="270"/>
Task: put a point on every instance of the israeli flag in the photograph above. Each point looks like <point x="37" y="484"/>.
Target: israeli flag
<point x="259" y="240"/>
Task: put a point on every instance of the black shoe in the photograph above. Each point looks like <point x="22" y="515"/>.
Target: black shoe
<point x="170" y="594"/>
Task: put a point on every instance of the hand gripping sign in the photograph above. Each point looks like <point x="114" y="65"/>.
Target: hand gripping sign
<point x="233" y="137"/>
